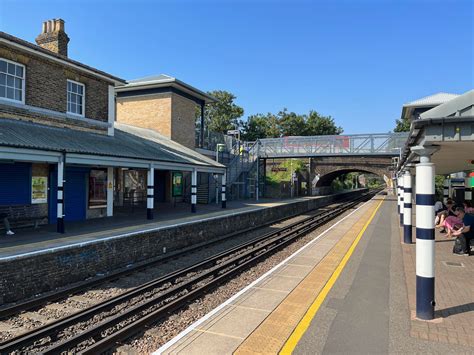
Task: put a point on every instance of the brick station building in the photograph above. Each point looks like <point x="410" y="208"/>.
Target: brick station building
<point x="62" y="155"/>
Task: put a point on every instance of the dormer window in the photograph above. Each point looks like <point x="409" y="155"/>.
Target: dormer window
<point x="75" y="97"/>
<point x="12" y="81"/>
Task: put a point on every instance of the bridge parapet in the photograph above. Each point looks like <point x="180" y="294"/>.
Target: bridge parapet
<point x="386" y="144"/>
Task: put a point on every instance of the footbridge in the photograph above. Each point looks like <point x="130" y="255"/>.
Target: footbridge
<point x="332" y="156"/>
<point x="382" y="144"/>
<point x="328" y="156"/>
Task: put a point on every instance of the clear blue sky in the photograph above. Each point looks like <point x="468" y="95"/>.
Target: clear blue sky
<point x="357" y="61"/>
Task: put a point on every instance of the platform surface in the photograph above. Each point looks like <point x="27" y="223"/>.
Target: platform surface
<point x="31" y="241"/>
<point x="350" y="291"/>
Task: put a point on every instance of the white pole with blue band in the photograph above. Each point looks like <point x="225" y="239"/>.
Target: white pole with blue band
<point x="398" y="193"/>
<point x="407" y="207"/>
<point x="193" y="190"/>
<point x="60" y="195"/>
<point x="425" y="236"/>
<point x="400" y="179"/>
<point x="150" y="192"/>
<point x="467" y="188"/>
<point x="224" y="193"/>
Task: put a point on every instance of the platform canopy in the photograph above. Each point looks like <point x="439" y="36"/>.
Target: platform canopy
<point x="129" y="147"/>
<point x="449" y="128"/>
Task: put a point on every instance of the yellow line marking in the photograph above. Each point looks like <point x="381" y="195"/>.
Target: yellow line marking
<point x="219" y="334"/>
<point x="303" y="325"/>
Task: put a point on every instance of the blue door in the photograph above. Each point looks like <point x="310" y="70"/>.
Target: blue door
<point x="15" y="184"/>
<point x="160" y="185"/>
<point x="75" y="198"/>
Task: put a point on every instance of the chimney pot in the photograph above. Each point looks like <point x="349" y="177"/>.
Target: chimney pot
<point x="53" y="37"/>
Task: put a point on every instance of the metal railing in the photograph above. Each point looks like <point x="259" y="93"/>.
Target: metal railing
<point x="243" y="161"/>
<point x="212" y="139"/>
<point x="355" y="144"/>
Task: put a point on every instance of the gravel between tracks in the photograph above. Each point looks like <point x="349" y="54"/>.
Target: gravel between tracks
<point x="159" y="334"/>
<point x="21" y="323"/>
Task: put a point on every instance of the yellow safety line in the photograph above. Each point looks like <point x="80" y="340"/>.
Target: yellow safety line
<point x="303" y="325"/>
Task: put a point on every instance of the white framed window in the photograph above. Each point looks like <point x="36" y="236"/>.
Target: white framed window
<point x="76" y="93"/>
<point x="12" y="81"/>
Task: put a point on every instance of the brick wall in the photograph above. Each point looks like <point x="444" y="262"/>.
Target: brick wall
<point x="46" y="84"/>
<point x="152" y="112"/>
<point x="167" y="113"/>
<point x="24" y="277"/>
<point x="183" y="121"/>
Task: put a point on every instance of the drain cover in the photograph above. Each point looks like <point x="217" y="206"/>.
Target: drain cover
<point x="452" y="263"/>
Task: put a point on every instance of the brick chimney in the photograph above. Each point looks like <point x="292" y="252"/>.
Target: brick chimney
<point x="53" y="37"/>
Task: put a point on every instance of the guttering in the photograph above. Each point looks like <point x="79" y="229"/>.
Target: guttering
<point x="110" y="158"/>
<point x="417" y="126"/>
<point x="172" y="82"/>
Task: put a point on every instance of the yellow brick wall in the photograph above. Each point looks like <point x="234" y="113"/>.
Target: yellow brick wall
<point x="183" y="120"/>
<point x="152" y="112"/>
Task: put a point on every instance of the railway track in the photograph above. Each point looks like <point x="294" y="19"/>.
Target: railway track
<point x="80" y="287"/>
<point x="100" y="327"/>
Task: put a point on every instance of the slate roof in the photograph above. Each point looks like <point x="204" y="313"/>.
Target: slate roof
<point x="127" y="142"/>
<point x="432" y="100"/>
<point x="16" y="40"/>
<point x="461" y="105"/>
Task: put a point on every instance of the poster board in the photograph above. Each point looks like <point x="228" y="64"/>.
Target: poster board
<point x="177" y="184"/>
<point x="39" y="189"/>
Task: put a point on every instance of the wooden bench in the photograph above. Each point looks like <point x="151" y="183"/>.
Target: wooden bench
<point x="22" y="215"/>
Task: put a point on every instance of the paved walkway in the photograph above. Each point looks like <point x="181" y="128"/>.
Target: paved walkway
<point x="166" y="215"/>
<point x="454" y="295"/>
<point x="350" y="291"/>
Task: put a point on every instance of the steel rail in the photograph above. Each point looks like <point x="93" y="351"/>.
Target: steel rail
<point x="37" y="302"/>
<point x="52" y="329"/>
<point x="57" y="325"/>
<point x="236" y="265"/>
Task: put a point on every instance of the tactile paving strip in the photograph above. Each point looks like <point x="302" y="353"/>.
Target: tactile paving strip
<point x="273" y="332"/>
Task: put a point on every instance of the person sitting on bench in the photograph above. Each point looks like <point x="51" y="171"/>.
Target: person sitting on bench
<point x="466" y="233"/>
<point x="4" y="217"/>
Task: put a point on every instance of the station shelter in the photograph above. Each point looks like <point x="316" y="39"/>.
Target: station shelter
<point x="441" y="142"/>
<point x="58" y="174"/>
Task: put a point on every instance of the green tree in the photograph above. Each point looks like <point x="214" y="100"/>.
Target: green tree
<point x="261" y="126"/>
<point x="292" y="124"/>
<point x="402" y="125"/>
<point x="287" y="123"/>
<point x="317" y="125"/>
<point x="256" y="127"/>
<point x="224" y="114"/>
